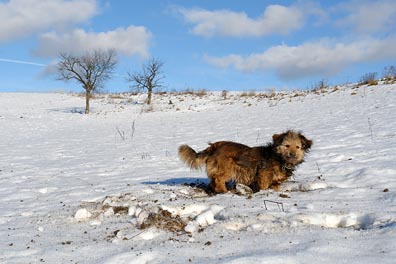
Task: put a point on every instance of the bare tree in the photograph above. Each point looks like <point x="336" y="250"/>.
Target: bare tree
<point x="149" y="79"/>
<point x="91" y="70"/>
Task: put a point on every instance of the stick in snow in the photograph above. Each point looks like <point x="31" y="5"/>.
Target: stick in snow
<point x="279" y="204"/>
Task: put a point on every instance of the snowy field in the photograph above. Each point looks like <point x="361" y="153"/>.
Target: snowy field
<point x="109" y="188"/>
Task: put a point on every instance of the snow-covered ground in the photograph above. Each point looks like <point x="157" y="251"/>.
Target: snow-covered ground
<point x="77" y="188"/>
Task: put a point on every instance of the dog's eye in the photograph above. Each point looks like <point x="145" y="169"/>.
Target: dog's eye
<point x="287" y="146"/>
<point x="298" y="147"/>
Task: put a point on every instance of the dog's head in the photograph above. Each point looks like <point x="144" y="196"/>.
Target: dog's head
<point x="291" y="146"/>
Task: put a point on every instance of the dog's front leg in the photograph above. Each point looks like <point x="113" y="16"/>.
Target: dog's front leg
<point x="264" y="179"/>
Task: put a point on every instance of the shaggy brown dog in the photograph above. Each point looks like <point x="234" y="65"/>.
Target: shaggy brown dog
<point x="258" y="167"/>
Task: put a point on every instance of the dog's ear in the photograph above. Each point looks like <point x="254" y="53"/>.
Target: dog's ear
<point x="306" y="143"/>
<point x="278" y="138"/>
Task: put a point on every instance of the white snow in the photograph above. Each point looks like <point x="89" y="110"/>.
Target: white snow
<point x="82" y="213"/>
<point x="76" y="188"/>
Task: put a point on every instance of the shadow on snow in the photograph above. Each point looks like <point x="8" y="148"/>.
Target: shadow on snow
<point x="181" y="181"/>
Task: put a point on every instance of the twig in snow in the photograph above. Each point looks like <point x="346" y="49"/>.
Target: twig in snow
<point x="121" y="133"/>
<point x="279" y="204"/>
<point x="133" y="129"/>
<point x="145" y="156"/>
<point x="136" y="234"/>
<point x="370" y="128"/>
<point x="320" y="172"/>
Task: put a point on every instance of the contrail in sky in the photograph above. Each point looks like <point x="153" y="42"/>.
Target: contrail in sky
<point x="23" y="62"/>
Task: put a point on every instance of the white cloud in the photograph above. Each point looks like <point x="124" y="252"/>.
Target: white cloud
<point x="322" y="58"/>
<point x="276" y="19"/>
<point x="22" y="18"/>
<point x="133" y="40"/>
<point x="369" y="16"/>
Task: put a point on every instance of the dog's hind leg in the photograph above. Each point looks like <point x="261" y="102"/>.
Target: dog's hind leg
<point x="218" y="183"/>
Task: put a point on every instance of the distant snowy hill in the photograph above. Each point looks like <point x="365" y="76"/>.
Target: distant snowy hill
<point x="109" y="187"/>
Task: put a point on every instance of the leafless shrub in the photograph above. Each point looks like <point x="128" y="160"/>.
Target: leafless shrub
<point x="190" y="91"/>
<point x="389" y="74"/>
<point x="201" y="92"/>
<point x="369" y="79"/>
<point x="251" y="93"/>
<point x="224" y="94"/>
<point x="321" y="86"/>
<point x="243" y="94"/>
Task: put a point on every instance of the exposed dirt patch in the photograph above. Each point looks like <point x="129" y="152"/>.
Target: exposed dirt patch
<point x="164" y="220"/>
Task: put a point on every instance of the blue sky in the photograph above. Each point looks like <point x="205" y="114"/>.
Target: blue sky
<point x="212" y="45"/>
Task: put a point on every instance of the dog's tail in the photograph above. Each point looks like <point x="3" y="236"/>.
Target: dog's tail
<point x="192" y="158"/>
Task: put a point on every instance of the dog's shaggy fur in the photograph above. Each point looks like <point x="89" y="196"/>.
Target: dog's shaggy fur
<point x="260" y="167"/>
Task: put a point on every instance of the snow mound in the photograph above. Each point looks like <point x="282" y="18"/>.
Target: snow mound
<point x="82" y="213"/>
<point x="357" y="221"/>
<point x="131" y="258"/>
<point x="204" y="219"/>
<point x="303" y="187"/>
<point x="258" y="259"/>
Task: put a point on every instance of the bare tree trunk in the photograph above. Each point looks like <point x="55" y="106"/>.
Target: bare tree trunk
<point x="150" y="91"/>
<point x="87" y="97"/>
